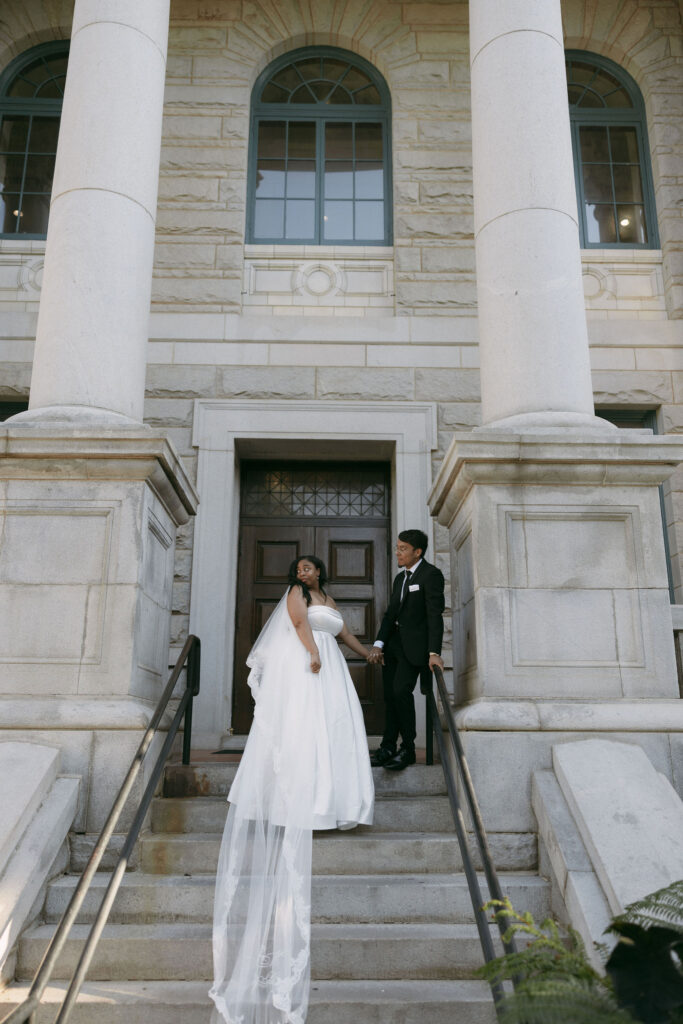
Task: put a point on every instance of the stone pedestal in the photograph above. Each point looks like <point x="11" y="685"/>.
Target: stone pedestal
<point x="561" y="615"/>
<point x="87" y="537"/>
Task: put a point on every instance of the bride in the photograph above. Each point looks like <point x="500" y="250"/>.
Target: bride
<point x="305" y="766"/>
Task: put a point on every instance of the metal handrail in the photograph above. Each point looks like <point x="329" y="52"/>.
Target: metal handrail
<point x="191" y="653"/>
<point x="495" y="890"/>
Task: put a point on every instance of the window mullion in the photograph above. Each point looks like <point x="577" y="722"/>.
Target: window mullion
<point x="578" y="174"/>
<point x="319" y="179"/>
<point x="614" y="189"/>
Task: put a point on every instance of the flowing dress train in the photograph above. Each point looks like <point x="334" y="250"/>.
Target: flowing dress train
<point x="305" y="766"/>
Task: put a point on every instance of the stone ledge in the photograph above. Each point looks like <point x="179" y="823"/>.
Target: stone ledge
<point x="33" y="451"/>
<point x="567" y="457"/>
<point x="76" y="713"/>
<point x="639" y="716"/>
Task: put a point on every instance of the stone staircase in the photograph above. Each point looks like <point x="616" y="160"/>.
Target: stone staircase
<point x="393" y="937"/>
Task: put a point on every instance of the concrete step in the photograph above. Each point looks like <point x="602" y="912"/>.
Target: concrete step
<point x="332" y="1002"/>
<point x="182" y="952"/>
<point x="395" y="898"/>
<point x="337" y="853"/>
<point x="393" y="814"/>
<point x="334" y="853"/>
<point x="216" y="779"/>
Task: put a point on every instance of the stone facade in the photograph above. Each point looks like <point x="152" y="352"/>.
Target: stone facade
<point x="388" y="325"/>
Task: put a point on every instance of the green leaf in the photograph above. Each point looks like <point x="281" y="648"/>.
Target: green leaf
<point x="561" y="1003"/>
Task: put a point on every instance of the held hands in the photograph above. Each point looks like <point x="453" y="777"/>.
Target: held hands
<point x="375" y="656"/>
<point x="315" y="661"/>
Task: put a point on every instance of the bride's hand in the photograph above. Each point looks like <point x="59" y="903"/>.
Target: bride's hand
<point x="315" y="662"/>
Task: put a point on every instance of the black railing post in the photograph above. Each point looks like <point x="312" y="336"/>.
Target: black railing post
<point x="429" y="726"/>
<point x="192" y="684"/>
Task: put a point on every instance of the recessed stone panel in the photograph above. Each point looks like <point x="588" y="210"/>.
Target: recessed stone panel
<point x="54" y="545"/>
<point x="571" y="550"/>
<point x="583" y="628"/>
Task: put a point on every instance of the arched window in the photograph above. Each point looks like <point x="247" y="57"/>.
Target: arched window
<point x="31" y="93"/>
<point x="611" y="155"/>
<point x="319" y="169"/>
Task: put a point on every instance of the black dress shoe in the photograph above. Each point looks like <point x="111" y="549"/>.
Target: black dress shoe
<point x="401" y="761"/>
<point x="380" y="756"/>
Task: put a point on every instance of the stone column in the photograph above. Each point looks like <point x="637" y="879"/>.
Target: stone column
<point x="92" y="327"/>
<point x="533" y="341"/>
<point x="561" y="617"/>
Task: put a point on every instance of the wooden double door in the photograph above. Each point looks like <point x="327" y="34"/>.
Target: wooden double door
<point x="339" y="512"/>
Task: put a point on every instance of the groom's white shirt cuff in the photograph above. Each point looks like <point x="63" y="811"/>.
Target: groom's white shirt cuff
<point x="379" y="643"/>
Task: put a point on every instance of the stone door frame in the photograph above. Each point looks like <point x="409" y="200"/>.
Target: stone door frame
<point x="404" y="433"/>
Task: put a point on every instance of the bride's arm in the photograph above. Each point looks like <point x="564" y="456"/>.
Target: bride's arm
<point x="350" y="640"/>
<point x="298" y="613"/>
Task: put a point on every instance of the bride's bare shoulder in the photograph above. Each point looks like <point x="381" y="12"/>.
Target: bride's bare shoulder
<point x="330" y="601"/>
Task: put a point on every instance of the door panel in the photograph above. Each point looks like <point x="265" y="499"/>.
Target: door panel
<point x="356" y="557"/>
<point x="266" y="553"/>
<point x="353" y="544"/>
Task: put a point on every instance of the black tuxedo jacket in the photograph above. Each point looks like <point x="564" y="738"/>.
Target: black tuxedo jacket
<point x="419" y="615"/>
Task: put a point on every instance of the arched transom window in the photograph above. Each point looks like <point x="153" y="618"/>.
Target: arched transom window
<point x="31" y="94"/>
<point x="611" y="155"/>
<point x="319" y="164"/>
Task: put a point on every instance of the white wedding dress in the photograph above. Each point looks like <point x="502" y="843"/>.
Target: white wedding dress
<point x="305" y="766"/>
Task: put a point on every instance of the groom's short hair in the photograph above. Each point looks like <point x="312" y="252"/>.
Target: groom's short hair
<point x="416" y="539"/>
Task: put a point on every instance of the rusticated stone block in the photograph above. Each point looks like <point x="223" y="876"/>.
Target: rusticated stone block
<point x="200" y="221"/>
<point x="15" y="379"/>
<point x="181" y="189"/>
<point x="267" y="382"/>
<point x="459" y="415"/>
<point x="339" y="382"/>
<point x="447" y="385"/>
<point x="182" y="381"/>
<point x="433" y="225"/>
<point x="420" y="72"/>
<point x="617" y="387"/>
<point x="179" y="289"/>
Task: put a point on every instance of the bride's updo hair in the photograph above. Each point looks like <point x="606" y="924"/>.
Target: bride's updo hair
<point x="294" y="581"/>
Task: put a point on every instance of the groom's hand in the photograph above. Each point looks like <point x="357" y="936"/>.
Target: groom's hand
<point x="434" y="660"/>
<point x="375" y="657"/>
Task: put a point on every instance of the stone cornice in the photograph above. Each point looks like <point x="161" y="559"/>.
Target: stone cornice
<point x="583" y="459"/>
<point x="66" y="453"/>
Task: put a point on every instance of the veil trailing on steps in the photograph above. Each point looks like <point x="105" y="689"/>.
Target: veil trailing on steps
<point x="262" y="911"/>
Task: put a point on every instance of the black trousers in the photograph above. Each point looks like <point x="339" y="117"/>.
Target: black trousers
<point x="399" y="678"/>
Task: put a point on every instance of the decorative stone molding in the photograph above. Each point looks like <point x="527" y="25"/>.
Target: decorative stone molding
<point x="292" y="279"/>
<point x="21" y="272"/>
<point x="631" y="280"/>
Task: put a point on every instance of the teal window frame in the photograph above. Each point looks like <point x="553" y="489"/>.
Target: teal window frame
<point x="29" y="107"/>
<point x="321" y="113"/>
<point x="622" y="117"/>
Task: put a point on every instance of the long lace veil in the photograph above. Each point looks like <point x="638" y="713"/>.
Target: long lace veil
<point x="262" y="911"/>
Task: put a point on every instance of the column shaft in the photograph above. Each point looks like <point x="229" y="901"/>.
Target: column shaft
<point x="94" y="311"/>
<point x="532" y="330"/>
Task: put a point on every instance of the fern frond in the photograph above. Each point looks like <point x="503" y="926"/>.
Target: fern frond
<point x="558" y="1003"/>
<point x="663" y="907"/>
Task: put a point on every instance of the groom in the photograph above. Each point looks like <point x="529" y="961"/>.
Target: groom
<point x="408" y="644"/>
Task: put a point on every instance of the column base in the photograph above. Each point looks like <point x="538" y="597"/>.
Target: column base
<point x="557" y="552"/>
<point x="88" y="520"/>
<point x="77" y="416"/>
<point x="549" y="422"/>
<point x="506" y="741"/>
